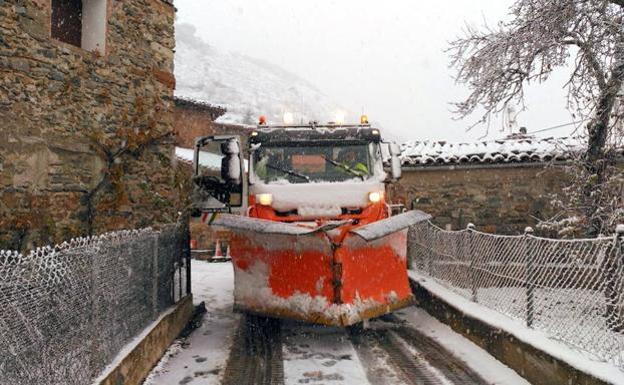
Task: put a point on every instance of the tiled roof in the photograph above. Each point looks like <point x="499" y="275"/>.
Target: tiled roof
<point x="198" y="105"/>
<point x="517" y="149"/>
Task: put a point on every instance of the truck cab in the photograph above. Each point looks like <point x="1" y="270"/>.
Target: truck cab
<point x="317" y="173"/>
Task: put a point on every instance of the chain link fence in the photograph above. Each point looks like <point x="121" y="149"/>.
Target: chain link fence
<point x="571" y="289"/>
<point x="67" y="311"/>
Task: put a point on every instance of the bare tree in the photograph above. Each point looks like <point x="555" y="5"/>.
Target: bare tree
<point x="586" y="36"/>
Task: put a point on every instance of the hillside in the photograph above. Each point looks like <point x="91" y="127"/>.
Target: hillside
<point x="247" y="87"/>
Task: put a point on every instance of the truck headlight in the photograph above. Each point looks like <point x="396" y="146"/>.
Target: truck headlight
<point x="264" y="199"/>
<point x="375" y="196"/>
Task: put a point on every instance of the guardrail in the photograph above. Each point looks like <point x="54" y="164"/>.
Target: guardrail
<point x="571" y="289"/>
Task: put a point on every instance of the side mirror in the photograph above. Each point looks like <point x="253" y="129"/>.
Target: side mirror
<point x="218" y="174"/>
<point x="230" y="164"/>
<point x="395" y="152"/>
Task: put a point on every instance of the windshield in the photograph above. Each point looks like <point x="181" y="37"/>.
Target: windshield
<point x="304" y="164"/>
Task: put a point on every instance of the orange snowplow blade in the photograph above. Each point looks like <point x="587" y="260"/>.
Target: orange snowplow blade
<point x="288" y="271"/>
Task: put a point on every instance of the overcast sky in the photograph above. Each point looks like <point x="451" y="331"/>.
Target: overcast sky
<point x="385" y="58"/>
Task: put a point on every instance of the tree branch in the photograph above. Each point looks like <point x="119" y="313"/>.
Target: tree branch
<point x="590" y="57"/>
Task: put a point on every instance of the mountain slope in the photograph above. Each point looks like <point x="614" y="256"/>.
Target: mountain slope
<point x="247" y="87"/>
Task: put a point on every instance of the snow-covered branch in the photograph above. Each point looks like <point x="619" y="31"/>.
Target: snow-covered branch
<point x="584" y="36"/>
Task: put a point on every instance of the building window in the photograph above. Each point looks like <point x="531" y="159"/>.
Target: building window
<point x="80" y="23"/>
<point x="67" y="21"/>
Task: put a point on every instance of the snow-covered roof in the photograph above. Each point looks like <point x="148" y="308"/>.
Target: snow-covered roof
<point x="518" y="149"/>
<point x="199" y="105"/>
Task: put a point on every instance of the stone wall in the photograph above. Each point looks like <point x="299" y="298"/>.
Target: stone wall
<point x="500" y="199"/>
<point x="193" y="121"/>
<point x="86" y="140"/>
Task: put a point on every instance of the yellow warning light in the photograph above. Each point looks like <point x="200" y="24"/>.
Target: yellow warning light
<point x="340" y="118"/>
<point x="288" y="118"/>
<point x="363" y="119"/>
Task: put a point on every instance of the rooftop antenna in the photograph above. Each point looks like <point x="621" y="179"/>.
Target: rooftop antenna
<point x="510" y="120"/>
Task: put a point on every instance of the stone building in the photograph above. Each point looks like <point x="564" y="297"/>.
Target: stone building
<point x="195" y="118"/>
<point x="501" y="186"/>
<point x="86" y="118"/>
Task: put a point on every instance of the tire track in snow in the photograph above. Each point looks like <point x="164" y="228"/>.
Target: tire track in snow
<point x="457" y="372"/>
<point x="256" y="355"/>
<point x="308" y="354"/>
<point x="457" y="349"/>
<point x="395" y="353"/>
<point x="380" y="367"/>
<point x="410" y="369"/>
<point x="316" y="354"/>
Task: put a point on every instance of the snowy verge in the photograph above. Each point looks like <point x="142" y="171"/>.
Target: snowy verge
<point x="539" y="340"/>
<point x="201" y="357"/>
<point x="130" y="346"/>
<point x="479" y="360"/>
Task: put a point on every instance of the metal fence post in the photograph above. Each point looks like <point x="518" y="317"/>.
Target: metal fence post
<point x="473" y="261"/>
<point x="155" y="275"/>
<point x="529" y="276"/>
<point x="408" y="251"/>
<point x="181" y="266"/>
<point x="614" y="318"/>
<point x="187" y="252"/>
<point x="430" y="254"/>
<point x="96" y="314"/>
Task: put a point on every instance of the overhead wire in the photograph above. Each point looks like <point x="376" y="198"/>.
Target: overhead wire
<point x="558" y="126"/>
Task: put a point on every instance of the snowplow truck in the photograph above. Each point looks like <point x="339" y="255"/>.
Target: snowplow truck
<point x="312" y="235"/>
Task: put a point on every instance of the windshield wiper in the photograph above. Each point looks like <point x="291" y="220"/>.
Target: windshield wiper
<point x="289" y="172"/>
<point x="344" y="167"/>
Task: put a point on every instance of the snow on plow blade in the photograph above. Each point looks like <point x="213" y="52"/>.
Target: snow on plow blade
<point x="333" y="274"/>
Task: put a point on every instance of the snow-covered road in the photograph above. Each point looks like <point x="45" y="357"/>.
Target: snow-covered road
<point x="201" y="358"/>
<point x="393" y="351"/>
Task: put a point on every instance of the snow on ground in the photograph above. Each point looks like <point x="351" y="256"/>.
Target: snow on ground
<point x="129" y="347"/>
<point x="535" y="338"/>
<point x="571" y="315"/>
<point x="378" y="366"/>
<point x="200" y="359"/>
<point x="476" y="358"/>
<point x="312" y="354"/>
<point x="318" y="354"/>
